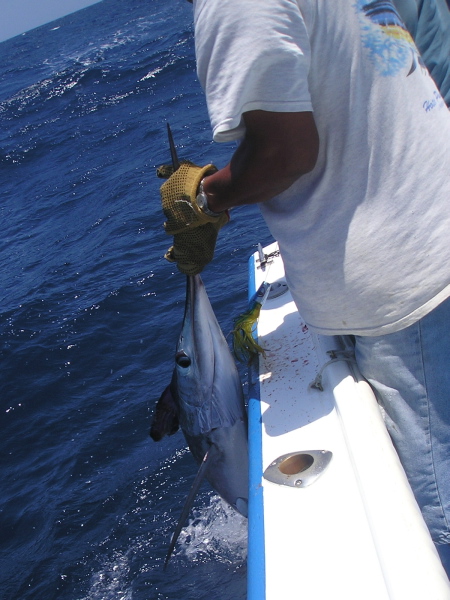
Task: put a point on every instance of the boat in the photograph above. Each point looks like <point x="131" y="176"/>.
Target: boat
<point x="331" y="512"/>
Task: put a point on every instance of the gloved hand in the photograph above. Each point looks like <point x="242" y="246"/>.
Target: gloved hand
<point x="195" y="232"/>
<point x="178" y="195"/>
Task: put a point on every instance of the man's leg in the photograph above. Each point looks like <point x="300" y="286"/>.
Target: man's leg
<point x="410" y="372"/>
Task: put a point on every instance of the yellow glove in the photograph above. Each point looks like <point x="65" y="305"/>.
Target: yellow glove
<point x="195" y="232"/>
<point x="178" y="196"/>
<point x="192" y="250"/>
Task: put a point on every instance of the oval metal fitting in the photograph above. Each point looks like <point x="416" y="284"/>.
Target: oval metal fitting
<point x="298" y="469"/>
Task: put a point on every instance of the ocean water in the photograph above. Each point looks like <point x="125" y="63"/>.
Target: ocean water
<point x="90" y="312"/>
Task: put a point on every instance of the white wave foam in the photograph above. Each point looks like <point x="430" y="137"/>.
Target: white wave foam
<point x="214" y="532"/>
<point x="111" y="581"/>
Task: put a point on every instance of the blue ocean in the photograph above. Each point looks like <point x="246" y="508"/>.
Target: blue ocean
<point x="90" y="312"/>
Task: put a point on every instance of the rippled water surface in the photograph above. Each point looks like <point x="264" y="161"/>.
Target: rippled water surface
<point x="90" y="312"/>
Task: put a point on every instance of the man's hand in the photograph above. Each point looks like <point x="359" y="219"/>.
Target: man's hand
<point x="178" y="196"/>
<point x="195" y="232"/>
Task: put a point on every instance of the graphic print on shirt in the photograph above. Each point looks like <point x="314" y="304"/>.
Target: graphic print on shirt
<point x="390" y="45"/>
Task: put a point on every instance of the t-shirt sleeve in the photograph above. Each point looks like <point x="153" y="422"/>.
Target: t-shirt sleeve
<point x="251" y="55"/>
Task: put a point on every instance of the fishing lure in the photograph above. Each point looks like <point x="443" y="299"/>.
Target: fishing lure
<point x="245" y="347"/>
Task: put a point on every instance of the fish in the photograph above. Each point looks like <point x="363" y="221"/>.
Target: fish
<point x="206" y="399"/>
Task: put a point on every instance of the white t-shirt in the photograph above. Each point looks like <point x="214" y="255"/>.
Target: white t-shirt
<point x="365" y="235"/>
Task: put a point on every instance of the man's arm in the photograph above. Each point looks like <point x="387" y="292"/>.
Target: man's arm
<point x="277" y="149"/>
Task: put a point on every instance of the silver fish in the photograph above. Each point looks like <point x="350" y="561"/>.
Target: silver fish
<point x="209" y="396"/>
<point x="205" y="396"/>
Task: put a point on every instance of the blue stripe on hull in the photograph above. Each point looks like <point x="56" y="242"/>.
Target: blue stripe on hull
<point x="256" y="577"/>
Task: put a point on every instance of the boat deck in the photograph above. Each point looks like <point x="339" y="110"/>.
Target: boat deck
<point x="331" y="514"/>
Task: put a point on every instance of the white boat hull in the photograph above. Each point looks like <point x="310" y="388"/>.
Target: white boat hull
<point x="355" y="532"/>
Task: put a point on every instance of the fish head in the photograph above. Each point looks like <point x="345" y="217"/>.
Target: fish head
<point x="206" y="383"/>
<point x="208" y="393"/>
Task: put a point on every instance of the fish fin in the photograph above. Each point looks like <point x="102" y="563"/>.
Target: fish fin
<point x="165" y="418"/>
<point x="187" y="506"/>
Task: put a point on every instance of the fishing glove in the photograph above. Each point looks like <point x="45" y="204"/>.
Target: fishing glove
<point x="195" y="232"/>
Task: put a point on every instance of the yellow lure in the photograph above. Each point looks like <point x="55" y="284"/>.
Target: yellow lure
<point x="245" y="347"/>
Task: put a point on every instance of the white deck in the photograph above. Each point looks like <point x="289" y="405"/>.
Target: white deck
<point x="356" y="532"/>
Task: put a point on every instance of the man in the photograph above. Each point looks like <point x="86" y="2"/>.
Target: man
<point x="345" y="144"/>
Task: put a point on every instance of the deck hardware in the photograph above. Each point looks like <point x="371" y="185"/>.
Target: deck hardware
<point x="278" y="288"/>
<point x="265" y="259"/>
<point x="298" y="469"/>
<point x="336" y="356"/>
<point x="261" y="254"/>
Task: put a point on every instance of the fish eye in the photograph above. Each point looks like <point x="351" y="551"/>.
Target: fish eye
<point x="183" y="360"/>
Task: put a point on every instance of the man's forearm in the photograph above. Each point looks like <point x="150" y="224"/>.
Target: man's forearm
<point x="277" y="149"/>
